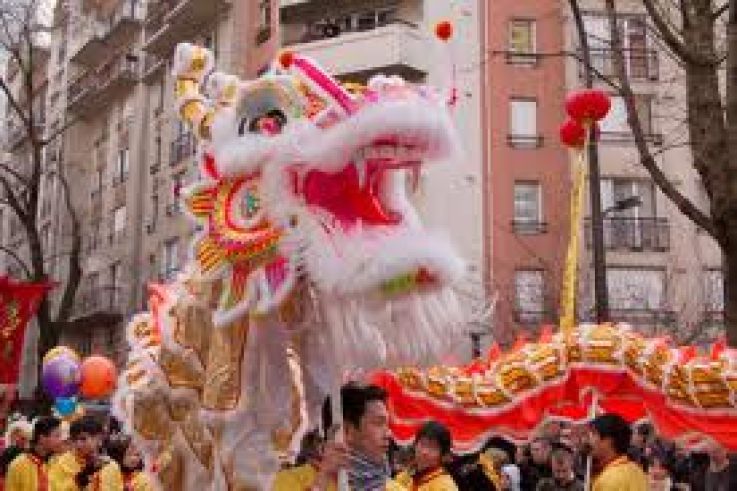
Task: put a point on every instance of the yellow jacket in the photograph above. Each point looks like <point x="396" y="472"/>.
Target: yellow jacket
<point x="26" y="473"/>
<point x="63" y="472"/>
<point x="438" y="480"/>
<point x="621" y="475"/>
<point x="302" y="477"/>
<point x="139" y="481"/>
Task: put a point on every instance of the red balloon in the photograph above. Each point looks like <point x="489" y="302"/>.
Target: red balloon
<point x="98" y="377"/>
<point x="588" y="105"/>
<point x="572" y="134"/>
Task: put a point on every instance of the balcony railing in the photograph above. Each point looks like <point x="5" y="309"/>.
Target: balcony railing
<point x="651" y="319"/>
<point x="99" y="300"/>
<point x="98" y="86"/>
<point x="320" y="31"/>
<point x="527" y="227"/>
<point x="525" y="141"/>
<point x="532" y="317"/>
<point x="182" y="147"/>
<point x="633" y="234"/>
<point x="127" y="17"/>
<point x="641" y="64"/>
<point x="626" y="136"/>
<point x="169" y="22"/>
<point x="152" y="67"/>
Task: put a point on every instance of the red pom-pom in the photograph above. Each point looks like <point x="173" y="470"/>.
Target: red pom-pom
<point x="572" y="134"/>
<point x="588" y="105"/>
<point x="444" y="30"/>
<point x="286" y="58"/>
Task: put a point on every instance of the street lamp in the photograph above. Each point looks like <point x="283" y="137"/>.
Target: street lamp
<point x="623" y="204"/>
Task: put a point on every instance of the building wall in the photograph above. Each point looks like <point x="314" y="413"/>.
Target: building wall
<point x="525" y="247"/>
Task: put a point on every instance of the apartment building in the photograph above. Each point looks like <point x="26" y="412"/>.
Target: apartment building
<point x="663" y="274"/>
<point x="528" y="170"/>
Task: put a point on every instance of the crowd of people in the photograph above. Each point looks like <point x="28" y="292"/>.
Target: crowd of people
<point x="50" y="455"/>
<point x="605" y="453"/>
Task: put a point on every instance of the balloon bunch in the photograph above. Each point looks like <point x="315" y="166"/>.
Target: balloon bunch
<point x="65" y="377"/>
<point x="585" y="108"/>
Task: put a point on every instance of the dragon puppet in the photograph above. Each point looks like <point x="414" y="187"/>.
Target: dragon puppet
<point x="687" y="395"/>
<point x="312" y="260"/>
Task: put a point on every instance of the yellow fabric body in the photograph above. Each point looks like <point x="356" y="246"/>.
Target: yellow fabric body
<point x="22" y="474"/>
<point x="63" y="471"/>
<point x="621" y="475"/>
<point x="439" y="482"/>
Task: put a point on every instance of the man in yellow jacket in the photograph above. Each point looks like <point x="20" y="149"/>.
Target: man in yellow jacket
<point x="363" y="455"/>
<point x="29" y="471"/>
<point x="82" y="468"/>
<point x="432" y="449"/>
<point x="610" y="439"/>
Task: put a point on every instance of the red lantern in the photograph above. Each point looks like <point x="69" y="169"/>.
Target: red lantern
<point x="588" y="105"/>
<point x="444" y="30"/>
<point x="572" y="134"/>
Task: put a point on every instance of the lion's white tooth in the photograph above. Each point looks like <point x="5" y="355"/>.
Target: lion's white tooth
<point x="360" y="166"/>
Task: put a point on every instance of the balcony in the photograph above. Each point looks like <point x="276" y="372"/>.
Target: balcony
<point x="640" y="64"/>
<point x="99" y="305"/>
<point x="97" y="87"/>
<point x="532" y="317"/>
<point x="396" y="47"/>
<point x="626" y="137"/>
<point x="529" y="142"/>
<point x="153" y="67"/>
<point x="169" y="22"/>
<point x="101" y="36"/>
<point x="182" y="147"/>
<point x="526" y="227"/>
<point x="648" y="320"/>
<point x="633" y="234"/>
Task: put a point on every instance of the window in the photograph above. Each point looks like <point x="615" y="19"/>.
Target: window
<point x="154" y="215"/>
<point x="170" y="263"/>
<point x="616" y="190"/>
<point x="119" y="222"/>
<point x="522" y="41"/>
<point x="177" y="181"/>
<point x="264" y="28"/>
<point x="45" y="236"/>
<point x="632" y="289"/>
<point x="615" y="124"/>
<point x="640" y="57"/>
<point x="115" y="285"/>
<point x="714" y="291"/>
<point x="523" y="123"/>
<point x="527" y="207"/>
<point x="529" y="290"/>
<point x="121" y="166"/>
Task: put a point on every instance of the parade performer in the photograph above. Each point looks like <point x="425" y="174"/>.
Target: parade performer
<point x="431" y="449"/>
<point x="132" y="476"/>
<point x="609" y="444"/>
<point x="29" y="471"/>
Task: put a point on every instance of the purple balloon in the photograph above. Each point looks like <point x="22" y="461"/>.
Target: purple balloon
<point x="61" y="377"/>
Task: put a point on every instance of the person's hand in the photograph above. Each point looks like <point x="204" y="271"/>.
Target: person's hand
<point x="335" y="457"/>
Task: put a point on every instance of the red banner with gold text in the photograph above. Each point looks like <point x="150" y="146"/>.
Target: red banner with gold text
<point x="18" y="304"/>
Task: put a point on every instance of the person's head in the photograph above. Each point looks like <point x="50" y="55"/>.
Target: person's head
<point x="499" y="458"/>
<point x="561" y="462"/>
<point x="540" y="450"/>
<point x="432" y="445"/>
<point x="86" y="435"/>
<point x="122" y="450"/>
<point x="366" y="420"/>
<point x="46" y="437"/>
<point x="552" y="430"/>
<point x="717" y="453"/>
<point x="610" y="437"/>
<point x="522" y="455"/>
<point x="18" y="434"/>
<point x="658" y="470"/>
<point x="511" y="477"/>
<point x="311" y="449"/>
<point x="641" y="435"/>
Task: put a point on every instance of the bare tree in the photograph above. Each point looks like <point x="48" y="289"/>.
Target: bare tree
<point x="693" y="34"/>
<point x="25" y="32"/>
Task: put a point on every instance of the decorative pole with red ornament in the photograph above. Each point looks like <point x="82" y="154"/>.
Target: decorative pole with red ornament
<point x="585" y="108"/>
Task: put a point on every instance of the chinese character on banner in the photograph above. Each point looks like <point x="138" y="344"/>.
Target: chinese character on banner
<point x="18" y="303"/>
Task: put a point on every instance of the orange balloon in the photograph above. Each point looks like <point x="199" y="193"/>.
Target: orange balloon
<point x="98" y="377"/>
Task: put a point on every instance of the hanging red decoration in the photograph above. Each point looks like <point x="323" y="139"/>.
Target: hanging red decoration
<point x="572" y="134"/>
<point x="286" y="58"/>
<point x="588" y="105"/>
<point x="444" y="30"/>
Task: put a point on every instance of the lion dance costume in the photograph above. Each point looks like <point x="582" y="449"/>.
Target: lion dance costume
<point x="311" y="257"/>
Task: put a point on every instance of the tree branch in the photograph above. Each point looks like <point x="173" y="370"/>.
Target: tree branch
<point x="686" y="54"/>
<point x="20" y="177"/>
<point x="646" y="158"/>
<point x="74" y="262"/>
<point x="13" y="255"/>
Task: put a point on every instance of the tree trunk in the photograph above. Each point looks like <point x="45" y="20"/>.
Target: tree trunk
<point x="729" y="212"/>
